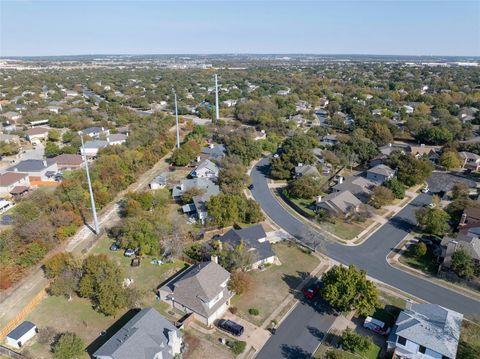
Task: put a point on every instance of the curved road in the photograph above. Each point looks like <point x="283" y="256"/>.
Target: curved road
<point x="371" y="255"/>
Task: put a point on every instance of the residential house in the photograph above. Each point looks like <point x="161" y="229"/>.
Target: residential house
<point x="425" y="331"/>
<point x="71" y="93"/>
<point x="431" y="152"/>
<point x="306" y="170"/>
<point x="214" y="151"/>
<point x="21" y="334"/>
<point x="386" y="151"/>
<point x="338" y="203"/>
<point x="259" y="135"/>
<point x="380" y="173"/>
<point x="159" y="182"/>
<point x="95" y="132"/>
<point x="201" y="289"/>
<point x="12" y="116"/>
<point x="37" y="170"/>
<point x="68" y="161"/>
<point x="329" y="140"/>
<point x="283" y="92"/>
<point x="148" y="335"/>
<point x="230" y="103"/>
<point x="255" y="241"/>
<point x="470" y="218"/>
<point x="54" y="109"/>
<point x="91" y="148"/>
<point x="206" y="169"/>
<point x="117" y="138"/>
<point x="470" y="160"/>
<point x="197" y="208"/>
<point x="360" y="187"/>
<point x="37" y="134"/>
<point x="468" y="239"/>
<point x="408" y="109"/>
<point x="299" y="120"/>
<point x="442" y="183"/>
<point x="14" y="182"/>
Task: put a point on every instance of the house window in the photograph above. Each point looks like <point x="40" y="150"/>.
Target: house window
<point x="401" y="340"/>
<point x="422" y="349"/>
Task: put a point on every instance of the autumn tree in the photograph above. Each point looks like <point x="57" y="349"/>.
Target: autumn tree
<point x="433" y="220"/>
<point x="304" y="187"/>
<point x="68" y="346"/>
<point x="381" y="196"/>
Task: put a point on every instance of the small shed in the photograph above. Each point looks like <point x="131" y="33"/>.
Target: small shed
<point x="21" y="334"/>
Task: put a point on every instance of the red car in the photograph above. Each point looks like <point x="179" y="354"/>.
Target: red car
<point x="310" y="292"/>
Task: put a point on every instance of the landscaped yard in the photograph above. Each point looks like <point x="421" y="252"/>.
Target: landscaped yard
<point x="344" y="230"/>
<point x="273" y="284"/>
<point x="425" y="263"/>
<point x="205" y="346"/>
<point x="79" y="317"/>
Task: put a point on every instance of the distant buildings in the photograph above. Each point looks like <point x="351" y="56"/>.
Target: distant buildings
<point x="37" y="170"/>
<point x="91" y="148"/>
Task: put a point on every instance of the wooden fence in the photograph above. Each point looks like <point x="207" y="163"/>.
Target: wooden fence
<point x="22" y="314"/>
<point x="10" y="353"/>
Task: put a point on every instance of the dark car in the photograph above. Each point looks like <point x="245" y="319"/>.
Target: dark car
<point x="114" y="247"/>
<point x="230" y="327"/>
<point x="250" y="187"/>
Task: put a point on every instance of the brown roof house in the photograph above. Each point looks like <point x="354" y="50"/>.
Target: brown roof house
<point x="68" y="161"/>
<point x="37" y="133"/>
<point x="470" y="160"/>
<point x="201" y="289"/>
<point x="13" y="181"/>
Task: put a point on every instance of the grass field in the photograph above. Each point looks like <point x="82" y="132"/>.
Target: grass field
<point x="469" y="346"/>
<point x="273" y="284"/>
<point x="344" y="230"/>
<point x="425" y="263"/>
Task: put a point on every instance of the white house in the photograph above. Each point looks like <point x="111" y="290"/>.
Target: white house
<point x="21" y="334"/>
<point x="37" y="134"/>
<point x="206" y="169"/>
<point x="91" y="148"/>
<point x="117" y="139"/>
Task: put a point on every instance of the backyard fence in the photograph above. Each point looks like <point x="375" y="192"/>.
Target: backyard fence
<point x="10" y="353"/>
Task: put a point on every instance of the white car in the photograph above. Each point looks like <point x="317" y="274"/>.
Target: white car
<point x="425" y="190"/>
<point x="129" y="253"/>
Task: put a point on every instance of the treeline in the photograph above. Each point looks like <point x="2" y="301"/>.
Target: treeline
<point x="45" y="218"/>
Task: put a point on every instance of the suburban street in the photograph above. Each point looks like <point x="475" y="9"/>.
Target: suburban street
<point x="371" y="256"/>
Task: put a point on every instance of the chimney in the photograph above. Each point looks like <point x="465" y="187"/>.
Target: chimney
<point x="214" y="258"/>
<point x="300" y="164"/>
<point x="319" y="199"/>
<point x="15" y="169"/>
<point x="389" y="145"/>
<point x="408" y="304"/>
<point x="340" y="180"/>
<point x="211" y="145"/>
<point x="198" y="158"/>
<point x="463" y="219"/>
<point x="44" y="163"/>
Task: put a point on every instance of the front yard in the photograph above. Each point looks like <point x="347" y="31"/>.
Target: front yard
<point x="273" y="284"/>
<point x="345" y="230"/>
<point x="426" y="263"/>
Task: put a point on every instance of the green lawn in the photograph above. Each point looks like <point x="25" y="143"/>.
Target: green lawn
<point x="371" y="353"/>
<point x="79" y="317"/>
<point x="305" y="204"/>
<point x="273" y="284"/>
<point x="469" y="346"/>
<point x="426" y="263"/>
<point x="344" y="230"/>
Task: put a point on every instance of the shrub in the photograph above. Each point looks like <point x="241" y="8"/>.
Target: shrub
<point x="253" y="311"/>
<point x="237" y="347"/>
<point x="334" y="354"/>
<point x="69" y="346"/>
<point x="419" y="249"/>
<point x="355" y="342"/>
<point x="233" y="310"/>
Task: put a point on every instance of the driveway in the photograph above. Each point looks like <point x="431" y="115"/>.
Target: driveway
<point x="253" y="335"/>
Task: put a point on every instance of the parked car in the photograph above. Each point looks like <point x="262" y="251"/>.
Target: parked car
<point x="310" y="292"/>
<point x="425" y="190"/>
<point x="114" y="247"/>
<point x="156" y="262"/>
<point x="251" y="187"/>
<point x="230" y="327"/>
<point x="129" y="252"/>
<point x="376" y="326"/>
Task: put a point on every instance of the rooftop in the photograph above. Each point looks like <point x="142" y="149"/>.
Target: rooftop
<point x="31" y="166"/>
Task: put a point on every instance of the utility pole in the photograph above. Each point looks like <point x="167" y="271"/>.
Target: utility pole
<point x="176" y="119"/>
<point x="217" y="110"/>
<point x="92" y="200"/>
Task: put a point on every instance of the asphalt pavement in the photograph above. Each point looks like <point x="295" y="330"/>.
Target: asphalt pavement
<point x="370" y="256"/>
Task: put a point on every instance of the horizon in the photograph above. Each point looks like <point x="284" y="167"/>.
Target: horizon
<point x="375" y="28"/>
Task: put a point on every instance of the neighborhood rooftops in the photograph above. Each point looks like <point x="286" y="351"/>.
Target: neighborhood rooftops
<point x="214" y="151"/>
<point x="443" y="182"/>
<point x="431" y="326"/>
<point x="95" y="144"/>
<point x="211" y="189"/>
<point x="37" y="131"/>
<point x="145" y="335"/>
<point x="9" y="178"/>
<point x="339" y="202"/>
<point x="68" y="160"/>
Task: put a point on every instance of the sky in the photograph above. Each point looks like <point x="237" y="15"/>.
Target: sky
<point x="388" y="27"/>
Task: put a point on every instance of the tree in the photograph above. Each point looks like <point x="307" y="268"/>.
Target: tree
<point x="381" y="196"/>
<point x="462" y="263"/>
<point x="349" y="289"/>
<point x="56" y="264"/>
<point x="244" y="147"/>
<point x="354" y="342"/>
<point x="240" y="282"/>
<point x="380" y="134"/>
<point x="232" y="177"/>
<point x="52" y="149"/>
<point x="66" y="283"/>
<point x="226" y="209"/>
<point x="8" y="148"/>
<point x="68" y="346"/>
<point x="450" y="159"/>
<point x="236" y="258"/>
<point x="460" y="190"/>
<point x="304" y="187"/>
<point x="433" y="220"/>
<point x="397" y="187"/>
<point x="53" y="135"/>
<point x="410" y="171"/>
<point x="419" y="249"/>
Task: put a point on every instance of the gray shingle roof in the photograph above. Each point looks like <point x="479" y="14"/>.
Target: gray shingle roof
<point x="198" y="285"/>
<point x="31" y="166"/>
<point x="342" y="201"/>
<point x="306" y="170"/>
<point x="143" y="336"/>
<point x="444" y="181"/>
<point x="382" y="170"/>
<point x="217" y="151"/>
<point x="253" y="238"/>
<point x="431" y="326"/>
<point x="211" y="189"/>
<point x="95" y="144"/>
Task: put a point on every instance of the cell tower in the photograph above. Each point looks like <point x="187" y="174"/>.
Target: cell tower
<point x="92" y="200"/>
<point x="217" y="111"/>
<point x="176" y="119"/>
